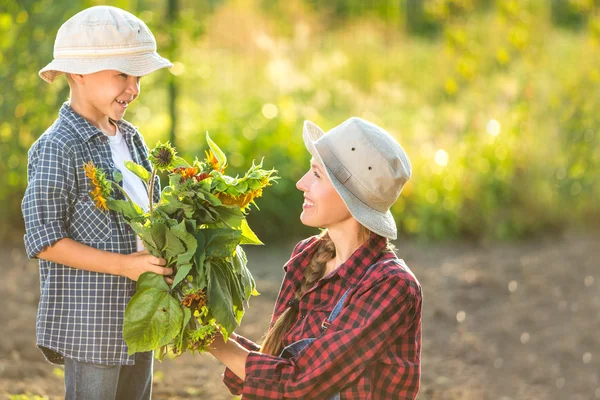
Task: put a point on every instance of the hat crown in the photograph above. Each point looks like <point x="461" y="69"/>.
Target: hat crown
<point x="367" y="160"/>
<point x="103" y="31"/>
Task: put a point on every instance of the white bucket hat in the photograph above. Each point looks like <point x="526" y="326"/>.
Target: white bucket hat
<point x="102" y="38"/>
<point x="366" y="166"/>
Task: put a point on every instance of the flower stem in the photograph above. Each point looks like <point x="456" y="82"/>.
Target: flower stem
<point x="151" y="191"/>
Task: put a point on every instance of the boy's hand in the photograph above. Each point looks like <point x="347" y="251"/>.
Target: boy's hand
<point x="135" y="264"/>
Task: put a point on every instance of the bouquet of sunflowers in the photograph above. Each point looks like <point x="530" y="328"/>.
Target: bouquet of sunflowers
<point x="198" y="226"/>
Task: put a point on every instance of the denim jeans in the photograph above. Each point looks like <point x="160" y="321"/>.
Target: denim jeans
<point x="85" y="381"/>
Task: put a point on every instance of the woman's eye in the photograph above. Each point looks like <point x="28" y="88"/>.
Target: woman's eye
<point x="316" y="174"/>
<point x="124" y="75"/>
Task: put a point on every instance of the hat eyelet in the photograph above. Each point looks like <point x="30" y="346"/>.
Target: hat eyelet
<point x="353" y="149"/>
<point x="370" y="168"/>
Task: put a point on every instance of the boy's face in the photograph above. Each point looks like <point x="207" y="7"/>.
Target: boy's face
<point x="106" y="93"/>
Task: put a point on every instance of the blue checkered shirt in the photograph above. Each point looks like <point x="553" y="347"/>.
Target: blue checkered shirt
<point x="80" y="313"/>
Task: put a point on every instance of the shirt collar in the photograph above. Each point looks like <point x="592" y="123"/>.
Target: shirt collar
<point x="85" y="129"/>
<point x="352" y="270"/>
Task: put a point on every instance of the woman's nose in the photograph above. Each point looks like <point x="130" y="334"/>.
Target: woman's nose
<point x="301" y="184"/>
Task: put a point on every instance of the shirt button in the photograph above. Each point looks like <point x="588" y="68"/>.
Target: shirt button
<point x="302" y="316"/>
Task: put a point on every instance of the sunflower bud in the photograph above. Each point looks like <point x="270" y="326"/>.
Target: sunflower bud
<point x="162" y="156"/>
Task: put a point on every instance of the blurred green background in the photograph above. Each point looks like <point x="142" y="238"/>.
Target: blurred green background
<point x="495" y="101"/>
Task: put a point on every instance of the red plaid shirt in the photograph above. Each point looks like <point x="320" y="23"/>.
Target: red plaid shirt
<point x="371" y="351"/>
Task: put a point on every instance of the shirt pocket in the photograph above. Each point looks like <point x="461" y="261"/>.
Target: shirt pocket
<point x="88" y="223"/>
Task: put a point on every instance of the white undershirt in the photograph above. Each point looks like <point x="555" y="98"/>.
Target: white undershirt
<point x="132" y="184"/>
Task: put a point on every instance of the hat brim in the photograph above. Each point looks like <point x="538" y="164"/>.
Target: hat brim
<point x="381" y="223"/>
<point x="131" y="64"/>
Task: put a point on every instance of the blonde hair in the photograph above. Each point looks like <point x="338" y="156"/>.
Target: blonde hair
<point x="272" y="343"/>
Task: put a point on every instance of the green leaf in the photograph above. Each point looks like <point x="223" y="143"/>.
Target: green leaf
<point x="158" y="232"/>
<point x="180" y="162"/>
<point x="188" y="240"/>
<point x="182" y="271"/>
<point x="151" y="280"/>
<point x="199" y="258"/>
<point x="138" y="170"/>
<point x="152" y="319"/>
<point x="231" y="215"/>
<point x="239" y="262"/>
<point x="129" y="209"/>
<point x="220" y="300"/>
<point x="117" y="176"/>
<point x="187" y="315"/>
<point x="221" y="242"/>
<point x="248" y="236"/>
<point x="221" y="158"/>
<point x="173" y="246"/>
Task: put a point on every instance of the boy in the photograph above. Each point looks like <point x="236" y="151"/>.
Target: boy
<point x="88" y="258"/>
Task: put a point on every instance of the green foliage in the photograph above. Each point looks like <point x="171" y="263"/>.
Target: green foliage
<point x="496" y="108"/>
<point x="197" y="226"/>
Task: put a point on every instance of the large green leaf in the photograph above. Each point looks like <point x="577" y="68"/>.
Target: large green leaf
<point x="151" y="280"/>
<point x="230" y="215"/>
<point x="187" y="315"/>
<point x="188" y="240"/>
<point x="158" y="232"/>
<point x="173" y="246"/>
<point x="138" y="170"/>
<point x="239" y="262"/>
<point x="221" y="242"/>
<point x="129" y="209"/>
<point x="220" y="298"/>
<point x="152" y="319"/>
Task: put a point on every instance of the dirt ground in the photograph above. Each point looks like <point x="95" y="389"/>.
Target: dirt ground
<point x="501" y="321"/>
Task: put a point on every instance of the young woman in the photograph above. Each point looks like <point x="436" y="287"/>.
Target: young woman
<point x="347" y="321"/>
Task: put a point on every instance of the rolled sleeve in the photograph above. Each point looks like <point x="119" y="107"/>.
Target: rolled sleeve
<point x="43" y="236"/>
<point x="51" y="181"/>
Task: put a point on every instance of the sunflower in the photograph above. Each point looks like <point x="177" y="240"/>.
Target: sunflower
<point x="186" y="172"/>
<point x="102" y="186"/>
<point x="242" y="201"/>
<point x="162" y="156"/>
<point x="212" y="160"/>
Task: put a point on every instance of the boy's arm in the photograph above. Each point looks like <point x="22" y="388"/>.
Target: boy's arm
<point x="77" y="255"/>
<point x="51" y="185"/>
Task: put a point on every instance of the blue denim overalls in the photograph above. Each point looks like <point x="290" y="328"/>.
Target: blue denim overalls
<point x="295" y="348"/>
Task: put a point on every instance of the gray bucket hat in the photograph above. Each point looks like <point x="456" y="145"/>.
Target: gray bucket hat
<point x="102" y="38"/>
<point x="366" y="166"/>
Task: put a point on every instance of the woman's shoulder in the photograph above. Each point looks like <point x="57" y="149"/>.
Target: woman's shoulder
<point x="392" y="270"/>
<point x="301" y="249"/>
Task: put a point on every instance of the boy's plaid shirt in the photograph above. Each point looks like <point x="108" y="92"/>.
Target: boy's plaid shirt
<point x="80" y="313"/>
<point x="371" y="351"/>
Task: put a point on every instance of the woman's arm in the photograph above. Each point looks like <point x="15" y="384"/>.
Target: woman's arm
<point x="231" y="353"/>
<point x="381" y="314"/>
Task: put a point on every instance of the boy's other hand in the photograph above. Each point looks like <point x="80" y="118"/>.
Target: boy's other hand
<point x="135" y="264"/>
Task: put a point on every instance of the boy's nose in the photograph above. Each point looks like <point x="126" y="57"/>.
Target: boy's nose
<point x="133" y="86"/>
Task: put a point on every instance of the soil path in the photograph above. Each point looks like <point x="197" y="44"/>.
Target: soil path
<point x="501" y="321"/>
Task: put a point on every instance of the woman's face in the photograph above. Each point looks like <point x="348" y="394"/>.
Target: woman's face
<point x="323" y="207"/>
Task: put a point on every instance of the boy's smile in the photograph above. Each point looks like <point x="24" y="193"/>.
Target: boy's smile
<point x="102" y="96"/>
